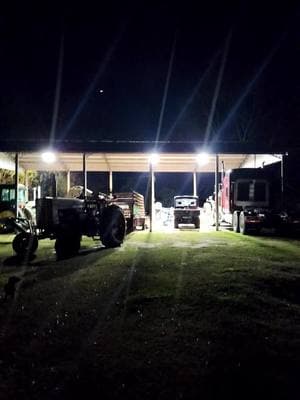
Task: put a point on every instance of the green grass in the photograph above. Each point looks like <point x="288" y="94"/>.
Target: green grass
<point x="166" y="316"/>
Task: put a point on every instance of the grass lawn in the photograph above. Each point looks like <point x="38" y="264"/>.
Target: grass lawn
<point x="183" y="315"/>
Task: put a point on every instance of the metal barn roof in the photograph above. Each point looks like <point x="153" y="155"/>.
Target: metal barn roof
<point x="134" y="162"/>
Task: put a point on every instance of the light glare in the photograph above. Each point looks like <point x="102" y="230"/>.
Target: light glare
<point x="48" y="157"/>
<point x="154" y="158"/>
<point x="202" y="159"/>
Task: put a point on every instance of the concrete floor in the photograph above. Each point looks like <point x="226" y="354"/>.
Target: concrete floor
<point x="205" y="225"/>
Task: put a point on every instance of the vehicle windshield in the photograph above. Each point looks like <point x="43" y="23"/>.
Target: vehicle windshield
<point x="8" y="194"/>
<point x="255" y="191"/>
<point x="183" y="202"/>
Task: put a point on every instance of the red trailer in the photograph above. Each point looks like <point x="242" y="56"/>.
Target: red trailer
<point x="250" y="199"/>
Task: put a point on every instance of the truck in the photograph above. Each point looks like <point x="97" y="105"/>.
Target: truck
<point x="66" y="219"/>
<point x="8" y="206"/>
<point x="133" y="206"/>
<point x="186" y="211"/>
<point x="250" y="199"/>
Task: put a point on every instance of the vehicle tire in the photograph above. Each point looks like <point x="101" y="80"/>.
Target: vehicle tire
<point x="113" y="227"/>
<point x="25" y="244"/>
<point x="176" y="224"/>
<point x="256" y="231"/>
<point x="236" y="222"/>
<point x="5" y="218"/>
<point x="197" y="223"/>
<point x="67" y="244"/>
<point x="5" y="228"/>
<point x="129" y="225"/>
<point x="244" y="228"/>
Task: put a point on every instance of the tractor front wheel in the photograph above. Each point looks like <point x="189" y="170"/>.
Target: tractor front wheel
<point x="25" y="244"/>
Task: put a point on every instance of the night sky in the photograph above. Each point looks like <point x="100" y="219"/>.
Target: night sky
<point x="113" y="62"/>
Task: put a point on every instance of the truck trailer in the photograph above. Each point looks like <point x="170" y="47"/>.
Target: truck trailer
<point x="250" y="199"/>
<point x="8" y="206"/>
<point x="133" y="207"/>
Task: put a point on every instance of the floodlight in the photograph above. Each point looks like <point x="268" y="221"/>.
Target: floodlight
<point x="154" y="158"/>
<point x="202" y="159"/>
<point x="49" y="157"/>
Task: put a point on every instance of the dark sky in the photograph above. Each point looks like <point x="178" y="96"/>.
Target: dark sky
<point x="124" y="51"/>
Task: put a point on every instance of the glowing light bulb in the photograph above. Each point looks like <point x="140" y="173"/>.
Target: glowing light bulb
<point x="154" y="158"/>
<point x="202" y="159"/>
<point x="48" y="157"/>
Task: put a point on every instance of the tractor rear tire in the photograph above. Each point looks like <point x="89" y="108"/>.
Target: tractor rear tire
<point x="113" y="227"/>
<point x="25" y="244"/>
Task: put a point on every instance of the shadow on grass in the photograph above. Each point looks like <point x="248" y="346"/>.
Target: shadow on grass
<point x="17" y="261"/>
<point x="47" y="269"/>
<point x="286" y="289"/>
<point x="62" y="268"/>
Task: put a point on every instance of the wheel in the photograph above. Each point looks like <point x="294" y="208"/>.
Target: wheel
<point x="5" y="218"/>
<point x="67" y="244"/>
<point x="197" y="223"/>
<point x="236" y="221"/>
<point x="176" y="224"/>
<point x="244" y="228"/>
<point x="112" y="226"/>
<point x="25" y="244"/>
<point x="129" y="225"/>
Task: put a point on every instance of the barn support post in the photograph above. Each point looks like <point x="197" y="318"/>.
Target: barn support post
<point x="68" y="181"/>
<point x="216" y="192"/>
<point x="282" y="176"/>
<point x="84" y="174"/>
<point x="195" y="183"/>
<point x="54" y="184"/>
<point x="110" y="182"/>
<point x="26" y="181"/>
<point x="16" y="181"/>
<point x="152" y="196"/>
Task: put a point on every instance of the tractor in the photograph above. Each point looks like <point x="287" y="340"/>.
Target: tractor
<point x="66" y="219"/>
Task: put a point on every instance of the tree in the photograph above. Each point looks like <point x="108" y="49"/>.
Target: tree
<point x="8" y="177"/>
